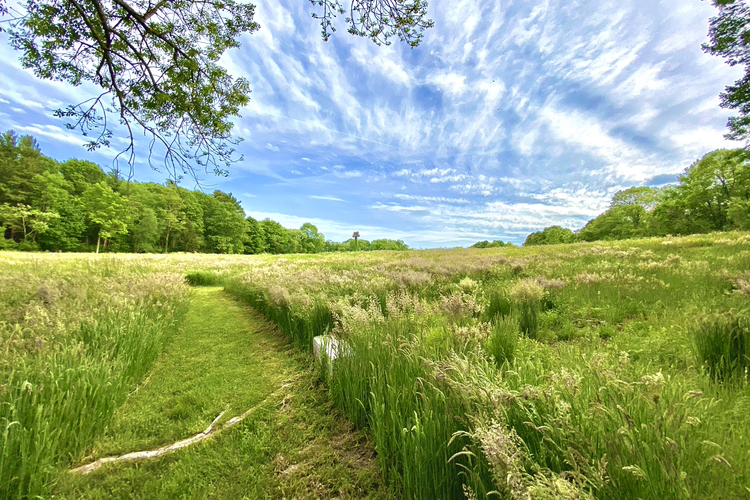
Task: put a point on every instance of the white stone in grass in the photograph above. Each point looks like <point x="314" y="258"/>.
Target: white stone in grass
<point x="330" y="346"/>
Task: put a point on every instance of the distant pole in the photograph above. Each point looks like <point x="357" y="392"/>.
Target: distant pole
<point x="356" y="240"/>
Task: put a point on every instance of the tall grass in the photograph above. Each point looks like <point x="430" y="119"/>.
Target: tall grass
<point x="503" y="340"/>
<point x="73" y="346"/>
<point x="569" y="372"/>
<point x="300" y="326"/>
<point x="723" y="346"/>
<point x="205" y="278"/>
<point x="533" y="373"/>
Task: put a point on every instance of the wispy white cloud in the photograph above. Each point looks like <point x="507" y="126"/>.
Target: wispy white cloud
<point x="509" y="117"/>
<point x="328" y="198"/>
<point x="348" y="174"/>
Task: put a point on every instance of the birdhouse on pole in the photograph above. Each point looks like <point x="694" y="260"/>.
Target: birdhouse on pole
<point x="356" y="239"/>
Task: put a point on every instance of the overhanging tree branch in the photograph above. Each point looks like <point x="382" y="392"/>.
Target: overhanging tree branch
<point x="157" y="65"/>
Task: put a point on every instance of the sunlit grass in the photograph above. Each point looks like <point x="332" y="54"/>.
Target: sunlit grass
<point x="570" y="371"/>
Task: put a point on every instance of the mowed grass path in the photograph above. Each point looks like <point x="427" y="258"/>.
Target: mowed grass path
<point x="228" y="358"/>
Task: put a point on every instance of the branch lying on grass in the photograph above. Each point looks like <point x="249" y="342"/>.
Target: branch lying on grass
<point x="138" y="455"/>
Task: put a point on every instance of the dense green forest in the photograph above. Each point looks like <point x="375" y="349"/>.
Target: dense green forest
<point x="76" y="206"/>
<point x="713" y="194"/>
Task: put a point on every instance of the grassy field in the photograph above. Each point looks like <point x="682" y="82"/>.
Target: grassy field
<point x="104" y="356"/>
<point x="229" y="359"/>
<point x="608" y="371"/>
<point x="75" y="336"/>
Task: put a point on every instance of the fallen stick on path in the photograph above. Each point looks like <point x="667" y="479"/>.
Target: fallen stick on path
<point x="138" y="455"/>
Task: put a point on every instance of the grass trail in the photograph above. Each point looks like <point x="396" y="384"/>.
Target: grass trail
<point x="228" y="358"/>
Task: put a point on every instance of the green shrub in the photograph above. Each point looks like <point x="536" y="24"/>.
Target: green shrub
<point x="723" y="346"/>
<point x="8" y="244"/>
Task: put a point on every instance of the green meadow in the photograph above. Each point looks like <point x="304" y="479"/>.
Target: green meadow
<point x="608" y="370"/>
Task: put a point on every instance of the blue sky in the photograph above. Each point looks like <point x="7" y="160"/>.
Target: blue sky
<point x="511" y="116"/>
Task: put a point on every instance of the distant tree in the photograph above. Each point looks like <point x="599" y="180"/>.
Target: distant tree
<point x="739" y="213"/>
<point x="20" y="160"/>
<point x="256" y="238"/>
<point x="709" y="184"/>
<point x="52" y="193"/>
<point x="107" y="209"/>
<point x="354" y="245"/>
<point x="645" y="196"/>
<point x="617" y="223"/>
<point x="24" y="221"/>
<point x="386" y="244"/>
<point x="311" y="240"/>
<point x="493" y="244"/>
<point x="144" y="230"/>
<point x="331" y="246"/>
<point x="225" y="225"/>
<point x="81" y="174"/>
<point x="278" y="239"/>
<point x="171" y="214"/>
<point x="552" y="235"/>
<point x="192" y="236"/>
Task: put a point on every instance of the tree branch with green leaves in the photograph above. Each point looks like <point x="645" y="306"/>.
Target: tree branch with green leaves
<point x="729" y="35"/>
<point x="157" y="63"/>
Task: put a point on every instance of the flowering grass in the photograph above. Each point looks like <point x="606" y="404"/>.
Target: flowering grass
<point x="571" y="371"/>
<point x="75" y="339"/>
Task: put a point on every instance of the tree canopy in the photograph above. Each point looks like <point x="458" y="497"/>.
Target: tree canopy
<point x="76" y="206"/>
<point x="157" y="65"/>
<point x="729" y="37"/>
<point x="713" y="194"/>
<point x="550" y="236"/>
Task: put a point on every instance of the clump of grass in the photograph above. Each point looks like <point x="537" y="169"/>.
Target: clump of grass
<point x="205" y="278"/>
<point x="527" y="295"/>
<point x="499" y="304"/>
<point x="723" y="346"/>
<point x="503" y="340"/>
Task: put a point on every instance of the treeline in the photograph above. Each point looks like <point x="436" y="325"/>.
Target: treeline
<point x="492" y="244"/>
<point x="713" y="194"/>
<point x="76" y="206"/>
